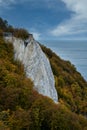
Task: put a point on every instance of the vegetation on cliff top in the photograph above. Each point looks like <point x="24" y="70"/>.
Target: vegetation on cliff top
<point x="22" y="108"/>
<point x="17" y="32"/>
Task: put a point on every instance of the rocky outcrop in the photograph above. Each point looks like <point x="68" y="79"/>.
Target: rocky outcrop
<point x="36" y="65"/>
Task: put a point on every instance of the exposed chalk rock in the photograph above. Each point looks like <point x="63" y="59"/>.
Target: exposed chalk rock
<point x="36" y="65"/>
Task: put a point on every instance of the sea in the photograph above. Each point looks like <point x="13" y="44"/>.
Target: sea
<point x="74" y="51"/>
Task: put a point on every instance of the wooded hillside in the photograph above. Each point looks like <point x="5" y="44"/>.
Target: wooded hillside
<point x="22" y="108"/>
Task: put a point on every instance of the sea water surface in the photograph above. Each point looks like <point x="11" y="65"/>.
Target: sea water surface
<point x="72" y="50"/>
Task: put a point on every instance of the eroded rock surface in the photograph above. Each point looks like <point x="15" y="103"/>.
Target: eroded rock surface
<point x="37" y="66"/>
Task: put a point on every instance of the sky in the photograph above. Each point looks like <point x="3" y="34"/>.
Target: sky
<point x="48" y="19"/>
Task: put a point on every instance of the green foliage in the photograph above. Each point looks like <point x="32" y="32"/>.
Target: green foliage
<point x="17" y="32"/>
<point x="70" y="85"/>
<point x="1" y="32"/>
<point x="21" y="33"/>
<point x="3" y="24"/>
<point x="22" y="108"/>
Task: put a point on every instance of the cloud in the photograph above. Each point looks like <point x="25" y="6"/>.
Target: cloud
<point x="33" y="3"/>
<point x="36" y="35"/>
<point x="77" y="24"/>
<point x="6" y="3"/>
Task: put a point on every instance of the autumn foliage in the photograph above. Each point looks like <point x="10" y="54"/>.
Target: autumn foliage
<point x="22" y="108"/>
<point x="70" y="85"/>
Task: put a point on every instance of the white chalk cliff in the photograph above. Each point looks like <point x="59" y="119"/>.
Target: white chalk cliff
<point x="36" y="65"/>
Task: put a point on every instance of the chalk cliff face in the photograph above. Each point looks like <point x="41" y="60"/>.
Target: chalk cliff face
<point x="36" y="65"/>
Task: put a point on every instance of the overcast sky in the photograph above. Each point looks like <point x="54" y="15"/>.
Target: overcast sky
<point x="48" y="19"/>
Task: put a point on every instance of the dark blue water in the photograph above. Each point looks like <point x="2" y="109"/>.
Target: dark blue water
<point x="74" y="51"/>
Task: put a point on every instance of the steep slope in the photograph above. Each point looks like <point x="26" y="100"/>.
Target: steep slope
<point x="36" y="65"/>
<point x="22" y="108"/>
<point x="70" y="85"/>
